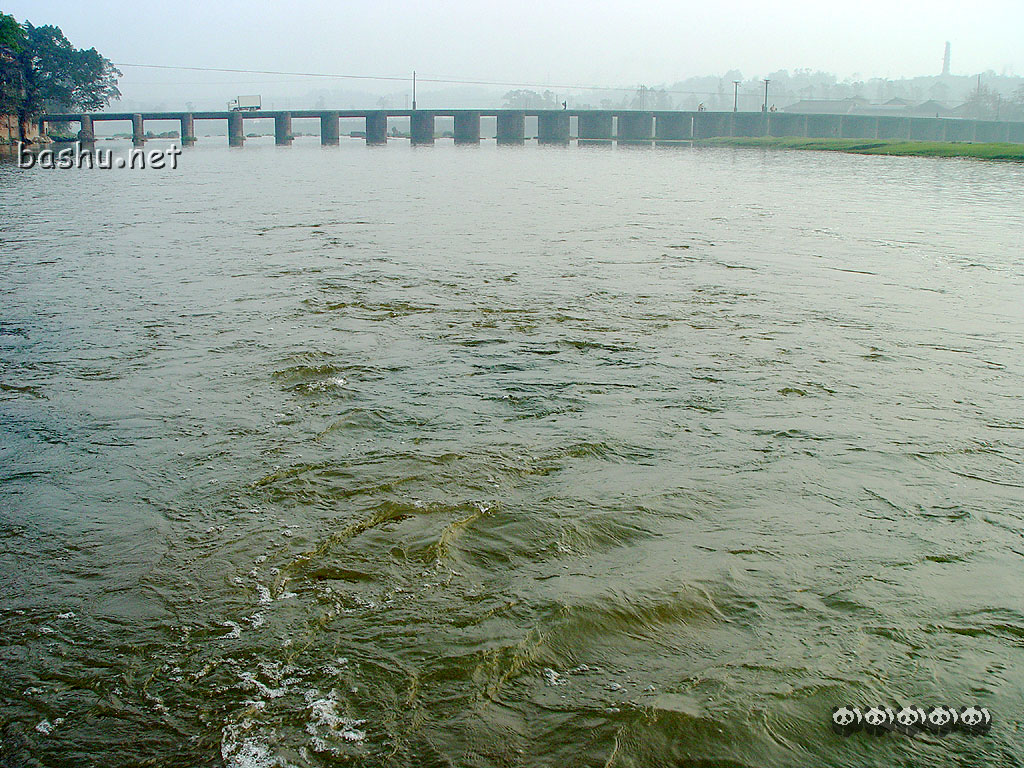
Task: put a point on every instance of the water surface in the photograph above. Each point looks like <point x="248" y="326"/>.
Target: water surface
<point x="508" y="457"/>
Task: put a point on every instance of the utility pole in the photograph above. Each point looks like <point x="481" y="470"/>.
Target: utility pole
<point x="735" y="95"/>
<point x="414" y="90"/>
<point x="765" y="107"/>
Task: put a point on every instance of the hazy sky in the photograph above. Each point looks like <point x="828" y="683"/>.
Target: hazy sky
<point x="600" y="43"/>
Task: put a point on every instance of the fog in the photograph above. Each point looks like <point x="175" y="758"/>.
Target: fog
<point x="502" y="46"/>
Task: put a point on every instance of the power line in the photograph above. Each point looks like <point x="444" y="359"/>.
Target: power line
<point x="389" y="78"/>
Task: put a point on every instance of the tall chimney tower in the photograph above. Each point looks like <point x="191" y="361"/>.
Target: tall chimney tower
<point x="945" y="61"/>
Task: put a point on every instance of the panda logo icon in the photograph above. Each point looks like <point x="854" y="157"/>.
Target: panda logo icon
<point x="846" y="720"/>
<point x="941" y="720"/>
<point x="909" y="720"/>
<point x="878" y="720"/>
<point x="975" y="720"/>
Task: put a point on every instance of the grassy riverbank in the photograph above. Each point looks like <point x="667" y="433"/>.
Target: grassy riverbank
<point x="877" y="147"/>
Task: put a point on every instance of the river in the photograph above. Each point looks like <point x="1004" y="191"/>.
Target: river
<point x="501" y="456"/>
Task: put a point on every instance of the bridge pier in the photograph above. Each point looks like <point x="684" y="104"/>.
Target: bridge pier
<point x="594" y="128"/>
<point x="188" y="131"/>
<point x="748" y="124"/>
<point x="635" y="127"/>
<point x="672" y="127"/>
<point x="824" y="126"/>
<point x="511" y="127"/>
<point x="236" y="131"/>
<point x="138" y="134"/>
<point x="959" y="130"/>
<point x="330" y="129"/>
<point x="781" y="124"/>
<point x="553" y="127"/>
<point x="283" y="129"/>
<point x="990" y="131"/>
<point x="86" y="134"/>
<point x="421" y="128"/>
<point x="893" y="128"/>
<point x="376" y="128"/>
<point x="858" y="127"/>
<point x="707" y="125"/>
<point x="467" y="127"/>
<point x="924" y="129"/>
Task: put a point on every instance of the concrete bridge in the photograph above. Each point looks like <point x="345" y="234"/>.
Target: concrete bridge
<point x="556" y="126"/>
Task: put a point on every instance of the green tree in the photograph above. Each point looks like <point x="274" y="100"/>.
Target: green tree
<point x="12" y="41"/>
<point x="59" y="77"/>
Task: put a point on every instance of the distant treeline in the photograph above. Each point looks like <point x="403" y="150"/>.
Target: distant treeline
<point x="988" y="96"/>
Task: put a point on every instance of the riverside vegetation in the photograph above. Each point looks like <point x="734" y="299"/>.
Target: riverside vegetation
<point x="983" y="151"/>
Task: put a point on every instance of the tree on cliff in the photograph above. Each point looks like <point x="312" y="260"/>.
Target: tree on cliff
<point x="60" y="77"/>
<point x="40" y="71"/>
<point x="12" y="41"/>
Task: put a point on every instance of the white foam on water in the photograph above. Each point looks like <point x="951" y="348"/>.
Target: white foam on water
<point x="553" y="678"/>
<point x="249" y="680"/>
<point x="326" y="723"/>
<point x="240" y="751"/>
<point x="235" y="633"/>
<point x="45" y="727"/>
<point x="339" y="665"/>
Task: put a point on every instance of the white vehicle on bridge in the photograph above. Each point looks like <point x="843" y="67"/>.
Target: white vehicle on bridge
<point x="245" y="104"/>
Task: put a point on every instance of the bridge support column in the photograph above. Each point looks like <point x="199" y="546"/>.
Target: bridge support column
<point x="138" y="134"/>
<point x="989" y="131"/>
<point x="467" y="127"/>
<point x="511" y="127"/>
<point x="236" y="131"/>
<point x="748" y="124"/>
<point x="553" y="127"/>
<point x="635" y="128"/>
<point x="594" y="128"/>
<point x="824" y="126"/>
<point x="858" y="127"/>
<point x="330" y="129"/>
<point x="783" y="124"/>
<point x="925" y="129"/>
<point x="188" y="131"/>
<point x="376" y="127"/>
<point x="86" y="135"/>
<point x="421" y="128"/>
<point x="672" y="127"/>
<point x="958" y="130"/>
<point x="707" y="125"/>
<point x="283" y="129"/>
<point x="893" y="128"/>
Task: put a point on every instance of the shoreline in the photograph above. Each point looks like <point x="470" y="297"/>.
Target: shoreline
<point x="893" y="147"/>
